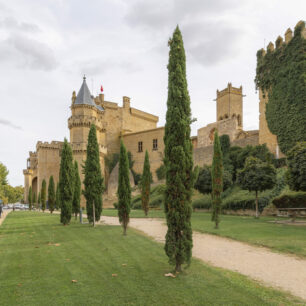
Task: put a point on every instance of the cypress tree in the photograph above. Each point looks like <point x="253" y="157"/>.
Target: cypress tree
<point x="51" y="194"/>
<point x="217" y="180"/>
<point x="93" y="181"/>
<point x="66" y="182"/>
<point x="146" y="184"/>
<point x="57" y="198"/>
<point x="124" y="189"/>
<point x="178" y="158"/>
<point x="38" y="200"/>
<point x="77" y="191"/>
<point x="30" y="198"/>
<point x="34" y="198"/>
<point x="43" y="195"/>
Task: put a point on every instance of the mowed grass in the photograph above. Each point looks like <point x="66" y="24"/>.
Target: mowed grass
<point x="40" y="258"/>
<point x="263" y="232"/>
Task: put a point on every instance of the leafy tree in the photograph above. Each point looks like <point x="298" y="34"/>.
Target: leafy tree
<point x="256" y="176"/>
<point x="161" y="172"/>
<point x="51" y="194"/>
<point x="93" y="181"/>
<point x="111" y="161"/>
<point x="66" y="182"/>
<point x="30" y="196"/>
<point x="178" y="158"/>
<point x="217" y="180"/>
<point x="204" y="183"/>
<point x="57" y="197"/>
<point x="43" y="195"/>
<point x="3" y="174"/>
<point x="225" y="143"/>
<point x="296" y="160"/>
<point x="146" y="184"/>
<point x="124" y="189"/>
<point x="77" y="191"/>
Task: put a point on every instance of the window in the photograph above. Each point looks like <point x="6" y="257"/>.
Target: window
<point x="140" y="146"/>
<point x="155" y="147"/>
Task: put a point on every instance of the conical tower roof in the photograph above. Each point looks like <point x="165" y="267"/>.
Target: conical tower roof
<point x="84" y="95"/>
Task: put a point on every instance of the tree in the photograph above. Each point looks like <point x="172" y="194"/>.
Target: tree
<point x="34" y="198"/>
<point x="146" y="184"/>
<point x="203" y="183"/>
<point x="217" y="181"/>
<point x="66" y="182"/>
<point x="93" y="181"/>
<point x="43" y="195"/>
<point x="178" y="158"/>
<point x="3" y="174"/>
<point x="296" y="160"/>
<point x="57" y="197"/>
<point x="30" y="196"/>
<point x="225" y="143"/>
<point x="51" y="194"/>
<point x="256" y="176"/>
<point x="77" y="191"/>
<point x="38" y="200"/>
<point x="124" y="189"/>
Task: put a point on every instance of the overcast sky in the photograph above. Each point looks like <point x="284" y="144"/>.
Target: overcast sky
<point x="47" y="45"/>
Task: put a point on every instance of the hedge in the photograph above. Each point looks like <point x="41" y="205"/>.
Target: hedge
<point x="291" y="199"/>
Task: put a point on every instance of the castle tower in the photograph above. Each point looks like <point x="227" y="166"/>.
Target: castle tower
<point x="229" y="104"/>
<point x="84" y="112"/>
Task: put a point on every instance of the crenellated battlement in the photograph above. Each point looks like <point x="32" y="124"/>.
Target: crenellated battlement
<point x="288" y="37"/>
<point x="53" y="145"/>
<point x="229" y="89"/>
<point x="82" y="147"/>
<point x="77" y="121"/>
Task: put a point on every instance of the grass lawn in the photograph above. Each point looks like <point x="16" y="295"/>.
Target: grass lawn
<point x="280" y="237"/>
<point x="40" y="258"/>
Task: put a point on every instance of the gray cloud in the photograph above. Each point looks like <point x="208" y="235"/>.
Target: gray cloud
<point x="208" y="38"/>
<point x="98" y="66"/>
<point x="25" y="52"/>
<point x="10" y="23"/>
<point x="10" y="124"/>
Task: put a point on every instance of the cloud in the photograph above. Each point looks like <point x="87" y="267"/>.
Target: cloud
<point x="10" y="124"/>
<point x="97" y="66"/>
<point x="10" y="23"/>
<point x="209" y="39"/>
<point x="25" y="52"/>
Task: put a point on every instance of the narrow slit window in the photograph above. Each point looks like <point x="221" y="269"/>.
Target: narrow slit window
<point x="140" y="146"/>
<point x="155" y="145"/>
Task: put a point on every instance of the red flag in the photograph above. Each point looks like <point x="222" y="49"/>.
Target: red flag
<point x="101" y="88"/>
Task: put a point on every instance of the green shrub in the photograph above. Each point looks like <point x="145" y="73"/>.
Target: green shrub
<point x="291" y="199"/>
<point x="279" y="162"/>
<point x="202" y="203"/>
<point x="161" y="172"/>
<point x="156" y="201"/>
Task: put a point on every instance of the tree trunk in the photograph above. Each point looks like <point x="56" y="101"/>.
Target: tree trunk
<point x="76" y="216"/>
<point x="93" y="215"/>
<point x="178" y="267"/>
<point x="257" y="215"/>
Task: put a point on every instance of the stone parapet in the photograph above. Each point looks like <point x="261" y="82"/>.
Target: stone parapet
<point x="83" y="147"/>
<point x="87" y="121"/>
<point x="53" y="145"/>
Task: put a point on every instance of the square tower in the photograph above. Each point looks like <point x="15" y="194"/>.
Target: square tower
<point x="229" y="104"/>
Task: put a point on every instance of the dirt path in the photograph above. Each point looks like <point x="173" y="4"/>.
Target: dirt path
<point x="278" y="270"/>
<point x="5" y="212"/>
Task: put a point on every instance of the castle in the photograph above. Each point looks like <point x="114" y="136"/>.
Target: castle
<point x="139" y="132"/>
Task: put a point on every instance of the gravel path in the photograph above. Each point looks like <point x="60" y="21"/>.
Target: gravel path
<point x="273" y="269"/>
<point x="5" y="212"/>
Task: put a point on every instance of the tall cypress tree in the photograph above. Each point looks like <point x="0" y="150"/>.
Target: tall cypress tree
<point x="66" y="180"/>
<point x="217" y="180"/>
<point x="57" y="198"/>
<point x="38" y="200"/>
<point x="34" y="198"/>
<point x="178" y="158"/>
<point x="146" y="184"/>
<point x="30" y="198"/>
<point x="43" y="195"/>
<point x="93" y="181"/>
<point x="77" y="191"/>
<point x="51" y="194"/>
<point x="124" y="189"/>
